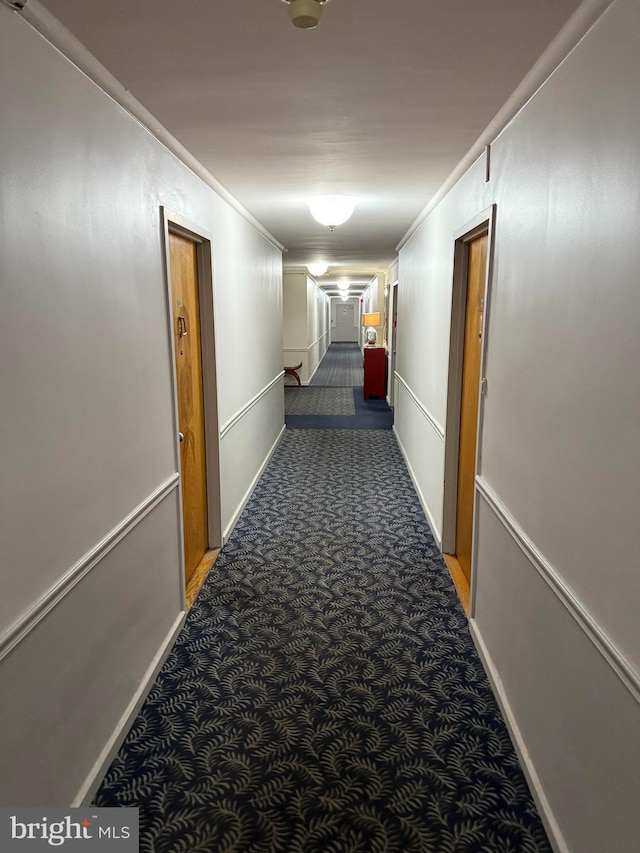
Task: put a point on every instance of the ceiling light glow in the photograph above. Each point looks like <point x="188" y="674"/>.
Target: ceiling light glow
<point x="317" y="269"/>
<point x="343" y="285"/>
<point x="331" y="210"/>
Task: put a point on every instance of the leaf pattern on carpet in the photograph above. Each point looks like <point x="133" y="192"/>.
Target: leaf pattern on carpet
<point x="325" y="693"/>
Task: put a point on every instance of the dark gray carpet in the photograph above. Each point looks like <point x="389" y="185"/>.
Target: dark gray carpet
<point x="367" y="414"/>
<point x="324" y="695"/>
<point x="341" y="365"/>
<point x="318" y="401"/>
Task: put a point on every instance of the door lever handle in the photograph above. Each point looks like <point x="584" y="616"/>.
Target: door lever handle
<point x="182" y="327"/>
<point x="181" y="437"/>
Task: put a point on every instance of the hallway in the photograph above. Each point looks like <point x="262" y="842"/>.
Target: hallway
<point x="325" y="694"/>
<point x="329" y="622"/>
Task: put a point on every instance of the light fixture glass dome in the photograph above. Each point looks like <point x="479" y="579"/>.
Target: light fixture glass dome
<point x="331" y="210"/>
<point x="344" y="296"/>
<point x="305" y="14"/>
<point x="317" y="269"/>
<point x="343" y="285"/>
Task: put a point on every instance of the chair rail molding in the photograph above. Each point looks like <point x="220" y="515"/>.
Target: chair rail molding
<point x="250" y="404"/>
<point x="427" y="414"/>
<point x="623" y="668"/>
<point x="28" y="620"/>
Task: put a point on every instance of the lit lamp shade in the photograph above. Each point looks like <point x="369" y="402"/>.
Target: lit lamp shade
<point x="370" y="321"/>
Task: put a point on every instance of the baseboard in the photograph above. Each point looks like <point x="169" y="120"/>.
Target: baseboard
<point x="236" y="515"/>
<point x="416" y="485"/>
<point x="95" y="776"/>
<point x="550" y="823"/>
<point x="308" y="382"/>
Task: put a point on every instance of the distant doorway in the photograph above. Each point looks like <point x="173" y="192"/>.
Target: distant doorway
<point x="463" y="409"/>
<point x="345" y="328"/>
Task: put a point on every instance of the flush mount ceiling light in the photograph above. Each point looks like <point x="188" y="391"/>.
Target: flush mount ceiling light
<point x="317" y="269"/>
<point x="344" y="297"/>
<point x="331" y="210"/>
<point x="305" y="14"/>
<point x="343" y="285"/>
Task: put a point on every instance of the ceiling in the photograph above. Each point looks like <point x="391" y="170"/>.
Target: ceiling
<point x="380" y="101"/>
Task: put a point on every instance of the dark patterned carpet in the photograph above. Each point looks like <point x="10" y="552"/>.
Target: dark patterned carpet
<point x="318" y="401"/>
<point x="340" y="365"/>
<point x="324" y="695"/>
<point x="303" y="410"/>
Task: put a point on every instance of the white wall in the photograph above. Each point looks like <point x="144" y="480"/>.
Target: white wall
<point x="305" y="332"/>
<point x="373" y="301"/>
<point x="391" y="280"/>
<point x="557" y="586"/>
<point x="317" y="331"/>
<point x="91" y="586"/>
<point x="294" y="324"/>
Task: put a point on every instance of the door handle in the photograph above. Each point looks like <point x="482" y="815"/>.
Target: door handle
<point x="181" y="437"/>
<point x="182" y="327"/>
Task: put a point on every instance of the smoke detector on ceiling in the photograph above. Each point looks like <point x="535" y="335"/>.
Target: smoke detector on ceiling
<point x="305" y="14"/>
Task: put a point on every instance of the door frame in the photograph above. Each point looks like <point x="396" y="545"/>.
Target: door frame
<point x="391" y="381"/>
<point x="176" y="224"/>
<point x="483" y="223"/>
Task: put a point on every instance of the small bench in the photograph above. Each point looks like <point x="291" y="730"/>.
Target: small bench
<point x="293" y="371"/>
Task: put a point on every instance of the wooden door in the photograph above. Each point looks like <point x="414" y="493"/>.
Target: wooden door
<point x="474" y="313"/>
<point x="186" y="323"/>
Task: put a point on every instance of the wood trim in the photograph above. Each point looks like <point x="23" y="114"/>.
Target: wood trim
<point x="199" y="575"/>
<point x="483" y="222"/>
<point x="28" y="620"/>
<point x="172" y="222"/>
<point x="582" y="615"/>
<point x="469" y="402"/>
<point x="175" y="223"/>
<point x="459" y="581"/>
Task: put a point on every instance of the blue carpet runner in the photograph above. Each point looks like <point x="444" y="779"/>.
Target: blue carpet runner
<point x="341" y="365"/>
<point x="325" y="695"/>
<point x="367" y="414"/>
<point x="327" y="404"/>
